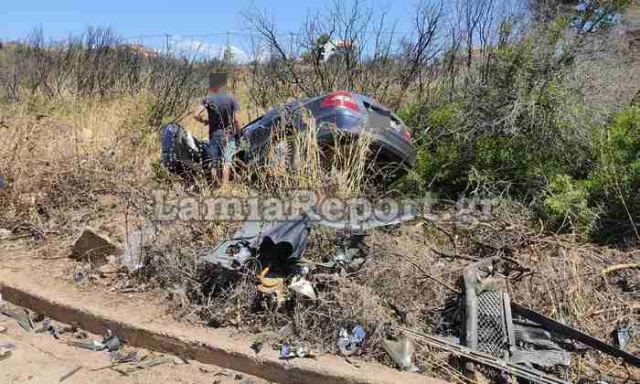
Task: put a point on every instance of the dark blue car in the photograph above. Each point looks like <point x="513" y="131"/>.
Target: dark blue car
<point x="348" y="113"/>
<point x="339" y="115"/>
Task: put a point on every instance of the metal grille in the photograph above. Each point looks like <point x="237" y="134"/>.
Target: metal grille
<point x="492" y="332"/>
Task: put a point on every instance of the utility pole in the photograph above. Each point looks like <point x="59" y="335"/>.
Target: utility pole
<point x="226" y="52"/>
<point x="166" y="44"/>
<point x="291" y="44"/>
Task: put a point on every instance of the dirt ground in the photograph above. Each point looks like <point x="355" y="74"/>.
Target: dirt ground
<point x="39" y="358"/>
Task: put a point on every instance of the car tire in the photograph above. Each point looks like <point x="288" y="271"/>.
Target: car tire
<point x="283" y="153"/>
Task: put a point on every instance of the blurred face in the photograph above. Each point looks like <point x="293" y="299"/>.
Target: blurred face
<point x="216" y="89"/>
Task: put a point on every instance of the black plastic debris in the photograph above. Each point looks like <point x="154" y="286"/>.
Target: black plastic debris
<point x="112" y="344"/>
<point x="282" y="244"/>
<point x="232" y="254"/>
<point x="181" y="153"/>
<point x="556" y="327"/>
<point x="277" y="245"/>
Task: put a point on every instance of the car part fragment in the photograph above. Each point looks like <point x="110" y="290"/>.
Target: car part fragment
<point x="508" y="367"/>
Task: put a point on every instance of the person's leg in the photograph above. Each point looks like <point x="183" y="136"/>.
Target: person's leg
<point x="216" y="147"/>
<point x="229" y="152"/>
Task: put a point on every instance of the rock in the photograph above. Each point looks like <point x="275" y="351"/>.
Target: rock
<point x="93" y="247"/>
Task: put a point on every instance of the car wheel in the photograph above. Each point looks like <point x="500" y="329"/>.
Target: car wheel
<point x="283" y="154"/>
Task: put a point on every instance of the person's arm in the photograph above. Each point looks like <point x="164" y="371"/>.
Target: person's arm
<point x="197" y="114"/>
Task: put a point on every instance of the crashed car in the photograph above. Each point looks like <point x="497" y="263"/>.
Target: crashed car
<point x="347" y="113"/>
<point x="342" y="114"/>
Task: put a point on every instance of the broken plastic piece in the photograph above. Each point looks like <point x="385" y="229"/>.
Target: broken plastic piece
<point x="93" y="345"/>
<point x="557" y="327"/>
<point x="4" y="354"/>
<point x="70" y="373"/>
<point x="401" y="351"/>
<point x="272" y="285"/>
<point x="348" y="343"/>
<point x="112" y="344"/>
<point x="624" y="333"/>
<point x="7" y="345"/>
<point x="304" y="287"/>
<point x="289" y="352"/>
<point x="133" y="257"/>
<point x="541" y="358"/>
<point x="232" y="254"/>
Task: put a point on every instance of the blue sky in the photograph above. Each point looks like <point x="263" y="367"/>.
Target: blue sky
<point x="145" y="21"/>
<point x="59" y="18"/>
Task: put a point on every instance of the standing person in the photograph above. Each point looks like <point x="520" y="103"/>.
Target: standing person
<point x="221" y="110"/>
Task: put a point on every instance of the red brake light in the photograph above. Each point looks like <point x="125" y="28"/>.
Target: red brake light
<point x="340" y="99"/>
<point x="406" y="134"/>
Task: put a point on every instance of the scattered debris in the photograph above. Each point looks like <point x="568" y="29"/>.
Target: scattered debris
<point x="272" y="285"/>
<point x="303" y="287"/>
<point x="350" y="254"/>
<point x="93" y="247"/>
<point x="178" y="360"/>
<point x="23" y="319"/>
<point x="350" y="342"/>
<point x="154" y="362"/>
<point x="288" y="351"/>
<point x="624" y="333"/>
<point x="7" y="345"/>
<point x="232" y="254"/>
<point x="111" y="342"/>
<point x="70" y="373"/>
<point x="557" y="327"/>
<point x="257" y="346"/>
<point x="121" y="358"/>
<point x="401" y="351"/>
<point x="133" y="257"/>
<point x="93" y="345"/>
<point x="4" y="354"/>
<point x="48" y="327"/>
<point x="510" y="368"/>
<point x="5" y="349"/>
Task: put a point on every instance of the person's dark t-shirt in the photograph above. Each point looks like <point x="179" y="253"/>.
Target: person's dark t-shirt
<point x="220" y="109"/>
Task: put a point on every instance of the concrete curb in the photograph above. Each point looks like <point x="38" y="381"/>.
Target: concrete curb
<point x="201" y="344"/>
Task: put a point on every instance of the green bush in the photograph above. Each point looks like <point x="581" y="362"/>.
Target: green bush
<point x="512" y="123"/>
<point x="567" y="205"/>
<point x="614" y="184"/>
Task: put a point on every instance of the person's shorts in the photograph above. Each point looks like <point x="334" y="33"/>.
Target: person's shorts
<point x="220" y="149"/>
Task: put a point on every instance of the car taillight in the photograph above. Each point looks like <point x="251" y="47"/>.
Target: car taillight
<point x="406" y="134"/>
<point x="340" y="99"/>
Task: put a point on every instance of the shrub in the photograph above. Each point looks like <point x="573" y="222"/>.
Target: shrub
<point x="567" y="205"/>
<point x="614" y="184"/>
